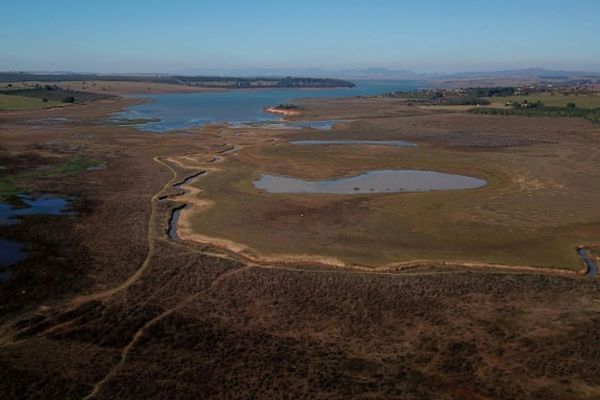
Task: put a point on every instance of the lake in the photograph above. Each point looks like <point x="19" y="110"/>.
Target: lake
<point x="167" y="112"/>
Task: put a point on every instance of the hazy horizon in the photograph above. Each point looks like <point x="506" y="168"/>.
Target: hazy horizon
<point x="428" y="37"/>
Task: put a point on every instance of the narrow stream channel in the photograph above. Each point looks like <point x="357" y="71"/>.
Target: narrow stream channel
<point x="173" y="219"/>
<point x="592" y="267"/>
<point x="176" y="211"/>
<point x="188" y="179"/>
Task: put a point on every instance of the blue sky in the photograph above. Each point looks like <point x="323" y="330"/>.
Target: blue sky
<point x="184" y="35"/>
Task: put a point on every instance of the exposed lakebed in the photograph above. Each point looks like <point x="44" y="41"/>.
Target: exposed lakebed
<point x="394" y="143"/>
<point x="378" y="181"/>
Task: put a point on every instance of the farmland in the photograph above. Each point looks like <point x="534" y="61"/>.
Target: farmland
<point x="12" y="103"/>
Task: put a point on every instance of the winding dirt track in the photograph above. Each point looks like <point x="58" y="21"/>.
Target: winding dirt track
<point x="138" y="335"/>
<point x="250" y="263"/>
<point x="151" y="245"/>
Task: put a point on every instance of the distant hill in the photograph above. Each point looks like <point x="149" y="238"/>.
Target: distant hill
<point x="199" y="81"/>
<point x="524" y="73"/>
<point x="292" y="77"/>
<point x="397" y="74"/>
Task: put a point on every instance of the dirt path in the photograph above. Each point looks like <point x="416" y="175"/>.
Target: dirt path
<point x="140" y="333"/>
<point x="151" y="245"/>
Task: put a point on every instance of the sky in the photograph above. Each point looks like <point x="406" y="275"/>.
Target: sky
<point x="185" y="36"/>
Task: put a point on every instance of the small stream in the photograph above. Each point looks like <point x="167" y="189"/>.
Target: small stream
<point x="176" y="211"/>
<point x="172" y="223"/>
<point x="592" y="267"/>
<point x="189" y="179"/>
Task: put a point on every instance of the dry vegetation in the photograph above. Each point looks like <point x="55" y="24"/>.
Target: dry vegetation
<point x="540" y="203"/>
<point x="196" y="322"/>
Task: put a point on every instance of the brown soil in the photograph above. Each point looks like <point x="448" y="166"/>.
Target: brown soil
<point x="108" y="308"/>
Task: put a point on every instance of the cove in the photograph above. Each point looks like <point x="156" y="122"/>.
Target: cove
<point x="172" y="111"/>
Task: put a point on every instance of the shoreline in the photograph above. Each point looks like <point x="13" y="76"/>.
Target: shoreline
<point x="286" y="113"/>
<point x="191" y="204"/>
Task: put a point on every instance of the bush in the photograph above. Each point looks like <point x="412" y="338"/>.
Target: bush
<point x="69" y="99"/>
<point x="539" y="110"/>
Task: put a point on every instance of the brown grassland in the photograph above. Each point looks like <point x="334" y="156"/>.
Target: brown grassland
<point x="108" y="307"/>
<point x="542" y="199"/>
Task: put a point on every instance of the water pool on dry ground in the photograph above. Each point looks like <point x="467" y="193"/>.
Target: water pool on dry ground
<point x="379" y="181"/>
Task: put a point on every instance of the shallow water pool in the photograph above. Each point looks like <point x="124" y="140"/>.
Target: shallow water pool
<point x="379" y="181"/>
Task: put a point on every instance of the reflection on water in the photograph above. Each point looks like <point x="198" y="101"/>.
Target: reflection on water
<point x="380" y="181"/>
<point x="14" y="252"/>
<point x="26" y="205"/>
<point x="396" y="143"/>
<point x="10" y="253"/>
<point x="166" y="112"/>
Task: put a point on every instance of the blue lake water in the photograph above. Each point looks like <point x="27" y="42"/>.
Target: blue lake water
<point x="14" y="252"/>
<point x="379" y="181"/>
<point x="10" y="253"/>
<point x="42" y="205"/>
<point x="186" y="110"/>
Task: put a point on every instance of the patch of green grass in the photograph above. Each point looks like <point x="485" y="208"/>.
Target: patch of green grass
<point x="7" y="188"/>
<point x="12" y="185"/>
<point x="556" y="100"/>
<point x="74" y="165"/>
<point x="19" y="103"/>
<point x="541" y="110"/>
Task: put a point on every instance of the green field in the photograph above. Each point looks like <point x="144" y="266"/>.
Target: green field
<point x="18" y="103"/>
<point x="12" y="185"/>
<point x="550" y="100"/>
